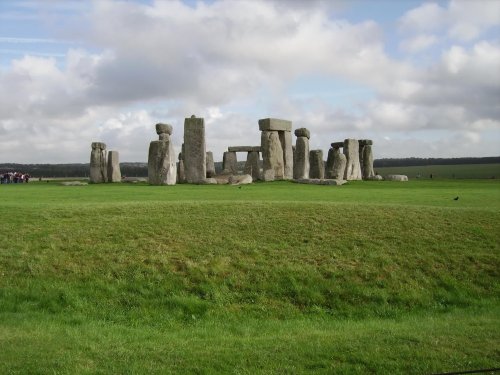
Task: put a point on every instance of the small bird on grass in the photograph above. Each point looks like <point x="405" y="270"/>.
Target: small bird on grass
<point x="455" y="199"/>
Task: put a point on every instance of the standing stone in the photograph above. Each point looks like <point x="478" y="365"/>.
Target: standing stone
<point x="98" y="165"/>
<point x="329" y="163"/>
<point x="301" y="154"/>
<point x="181" y="177"/>
<point x="339" y="162"/>
<point x="276" y="131"/>
<point x="252" y="165"/>
<point x="210" y="164"/>
<point x="367" y="160"/>
<point x="229" y="163"/>
<point x="114" y="173"/>
<point x="286" y="145"/>
<point x="272" y="155"/>
<point x="195" y="165"/>
<point x="353" y="168"/>
<point x="161" y="158"/>
<point x="317" y="165"/>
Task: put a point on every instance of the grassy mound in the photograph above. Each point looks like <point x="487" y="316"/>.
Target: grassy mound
<point x="277" y="277"/>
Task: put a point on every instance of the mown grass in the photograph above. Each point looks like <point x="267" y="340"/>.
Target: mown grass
<point x="269" y="278"/>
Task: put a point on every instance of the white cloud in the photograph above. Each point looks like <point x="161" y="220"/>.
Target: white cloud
<point x="232" y="63"/>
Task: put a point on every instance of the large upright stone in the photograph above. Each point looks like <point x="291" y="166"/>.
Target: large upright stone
<point x="276" y="167"/>
<point x="317" y="165"/>
<point x="210" y="164"/>
<point x="367" y="159"/>
<point x="181" y="177"/>
<point x="98" y="164"/>
<point x="272" y="155"/>
<point x="114" y="173"/>
<point x="195" y="165"/>
<point x="339" y="162"/>
<point x="301" y="154"/>
<point x="229" y="163"/>
<point x="351" y="152"/>
<point x="252" y="167"/>
<point x="161" y="158"/>
<point x="286" y="145"/>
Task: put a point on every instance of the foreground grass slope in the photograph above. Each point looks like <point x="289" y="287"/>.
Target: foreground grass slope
<point x="367" y="277"/>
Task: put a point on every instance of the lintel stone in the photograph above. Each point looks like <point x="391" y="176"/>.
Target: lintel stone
<point x="337" y="144"/>
<point x="273" y="124"/>
<point x="244" y="149"/>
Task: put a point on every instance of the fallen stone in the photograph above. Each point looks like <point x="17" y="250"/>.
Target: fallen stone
<point x="73" y="183"/>
<point x="376" y="177"/>
<point x="318" y="181"/>
<point x="243" y="179"/>
<point x="396" y="177"/>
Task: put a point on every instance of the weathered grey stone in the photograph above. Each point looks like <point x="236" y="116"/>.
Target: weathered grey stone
<point x="162" y="163"/>
<point x="73" y="183"/>
<point x="353" y="168"/>
<point x="317" y="181"/>
<point x="194" y="154"/>
<point x="337" y="144"/>
<point x="210" y="181"/>
<point x="210" y="164"/>
<point x="377" y="177"/>
<point x="301" y="158"/>
<point x="181" y="176"/>
<point x="252" y="165"/>
<point x="329" y="163"/>
<point x="114" y="173"/>
<point x="229" y="163"/>
<point x="134" y="180"/>
<point x="272" y="155"/>
<point x="302" y="132"/>
<point x="286" y="145"/>
<point x="339" y="164"/>
<point x="98" y="165"/>
<point x="163" y="129"/>
<point x="396" y="177"/>
<point x="273" y="124"/>
<point x="316" y="164"/>
<point x="243" y="179"/>
<point x="244" y="149"/>
<point x="367" y="166"/>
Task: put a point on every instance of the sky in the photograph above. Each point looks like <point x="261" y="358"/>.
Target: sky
<point x="419" y="78"/>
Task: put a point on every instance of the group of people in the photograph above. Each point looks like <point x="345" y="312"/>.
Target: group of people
<point x="14" y="178"/>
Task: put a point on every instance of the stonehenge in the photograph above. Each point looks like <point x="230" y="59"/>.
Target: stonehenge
<point x="98" y="165"/>
<point x="366" y="160"/>
<point x="194" y="153"/>
<point x="210" y="164"/>
<point x="280" y="159"/>
<point x="251" y="167"/>
<point x="336" y="162"/>
<point x="301" y="154"/>
<point x="317" y="165"/>
<point x="351" y="152"/>
<point x="162" y="168"/>
<point x="114" y="174"/>
<point x="229" y="163"/>
<point x="277" y="152"/>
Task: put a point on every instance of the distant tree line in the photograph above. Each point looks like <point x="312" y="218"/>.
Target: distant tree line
<point x="410" y="162"/>
<point x="141" y="169"/>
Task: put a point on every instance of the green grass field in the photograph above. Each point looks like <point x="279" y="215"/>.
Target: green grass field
<point x="369" y="277"/>
<point x="457" y="171"/>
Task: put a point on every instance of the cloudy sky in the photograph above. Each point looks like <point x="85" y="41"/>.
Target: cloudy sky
<point x="420" y="78"/>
